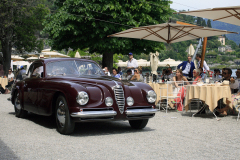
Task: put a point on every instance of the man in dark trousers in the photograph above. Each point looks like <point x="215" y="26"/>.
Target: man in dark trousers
<point x="187" y="67"/>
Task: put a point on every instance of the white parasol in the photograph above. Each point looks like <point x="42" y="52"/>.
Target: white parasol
<point x="170" y="32"/>
<point x="154" y="62"/>
<point x="226" y="14"/>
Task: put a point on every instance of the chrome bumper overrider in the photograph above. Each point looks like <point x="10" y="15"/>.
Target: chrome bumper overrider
<point x="94" y="114"/>
<point x="131" y="112"/>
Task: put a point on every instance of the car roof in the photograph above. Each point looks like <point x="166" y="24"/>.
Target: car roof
<point x="60" y="59"/>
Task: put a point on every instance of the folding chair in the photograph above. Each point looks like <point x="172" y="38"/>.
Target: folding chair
<point x="171" y="93"/>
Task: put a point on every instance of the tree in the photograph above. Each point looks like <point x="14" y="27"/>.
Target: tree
<point x="19" y="20"/>
<point x="209" y="24"/>
<point x="232" y="43"/>
<point x="204" y="23"/>
<point x="199" y="21"/>
<point x="87" y="23"/>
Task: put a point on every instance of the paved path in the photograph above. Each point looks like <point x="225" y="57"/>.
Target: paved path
<point x="167" y="136"/>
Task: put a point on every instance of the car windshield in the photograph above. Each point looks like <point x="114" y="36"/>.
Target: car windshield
<point x="73" y="68"/>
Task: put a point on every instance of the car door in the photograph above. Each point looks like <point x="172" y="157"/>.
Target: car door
<point x="31" y="85"/>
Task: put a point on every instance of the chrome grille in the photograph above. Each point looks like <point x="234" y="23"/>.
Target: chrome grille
<point x="119" y="96"/>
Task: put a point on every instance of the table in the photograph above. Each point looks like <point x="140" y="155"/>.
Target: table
<point x="158" y="88"/>
<point x="3" y="82"/>
<point x="210" y="94"/>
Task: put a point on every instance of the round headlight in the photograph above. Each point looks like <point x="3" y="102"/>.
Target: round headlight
<point x="130" y="101"/>
<point x="151" y="96"/>
<point x="109" y="101"/>
<point x="82" y="98"/>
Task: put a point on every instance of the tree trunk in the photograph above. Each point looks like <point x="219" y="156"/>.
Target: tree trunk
<point x="107" y="61"/>
<point x="6" y="50"/>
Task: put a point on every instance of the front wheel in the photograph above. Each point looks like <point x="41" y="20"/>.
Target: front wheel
<point x="65" y="125"/>
<point x="19" y="112"/>
<point x="138" y="124"/>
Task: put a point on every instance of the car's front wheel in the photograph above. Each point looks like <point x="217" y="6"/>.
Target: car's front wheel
<point x="65" y="125"/>
<point x="138" y="124"/>
<point x="19" y="112"/>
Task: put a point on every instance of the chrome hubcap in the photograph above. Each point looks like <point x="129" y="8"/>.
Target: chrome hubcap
<point x="17" y="103"/>
<point x="61" y="113"/>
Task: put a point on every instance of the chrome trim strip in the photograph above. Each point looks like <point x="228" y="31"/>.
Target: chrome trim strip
<point x="140" y="111"/>
<point x="115" y="83"/>
<point x="94" y="114"/>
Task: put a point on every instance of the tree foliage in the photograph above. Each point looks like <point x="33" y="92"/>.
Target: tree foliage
<point x="86" y="23"/>
<point x="19" y="20"/>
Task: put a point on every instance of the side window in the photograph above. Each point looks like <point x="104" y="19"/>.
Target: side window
<point x="37" y="72"/>
<point x="30" y="70"/>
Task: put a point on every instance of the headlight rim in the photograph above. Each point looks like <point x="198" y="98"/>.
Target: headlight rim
<point x="106" y="101"/>
<point x="132" y="100"/>
<point x="77" y="99"/>
<point x="147" y="96"/>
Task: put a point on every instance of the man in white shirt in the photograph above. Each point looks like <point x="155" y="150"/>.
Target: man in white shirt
<point x="205" y="66"/>
<point x="132" y="63"/>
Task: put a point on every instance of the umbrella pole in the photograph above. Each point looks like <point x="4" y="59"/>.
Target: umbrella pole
<point x="203" y="51"/>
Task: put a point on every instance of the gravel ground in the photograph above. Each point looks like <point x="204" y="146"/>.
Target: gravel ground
<point x="167" y="136"/>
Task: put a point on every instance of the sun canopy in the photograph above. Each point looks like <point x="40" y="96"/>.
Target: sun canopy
<point x="227" y="14"/>
<point x="140" y="62"/>
<point x="16" y="58"/>
<point x="170" y="32"/>
<point x="170" y="62"/>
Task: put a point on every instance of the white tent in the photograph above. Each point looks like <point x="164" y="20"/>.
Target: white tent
<point x="16" y="58"/>
<point x="170" y="62"/>
<point x="51" y="54"/>
<point x="21" y="63"/>
<point x="121" y="63"/>
<point x="32" y="58"/>
<point x="77" y="55"/>
<point x="143" y="63"/>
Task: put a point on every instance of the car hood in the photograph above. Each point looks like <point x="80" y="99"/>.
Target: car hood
<point x="95" y="80"/>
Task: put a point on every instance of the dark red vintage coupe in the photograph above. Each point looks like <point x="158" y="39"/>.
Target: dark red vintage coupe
<point x="76" y="90"/>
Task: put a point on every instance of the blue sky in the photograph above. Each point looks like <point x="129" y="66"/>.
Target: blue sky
<point x="202" y="4"/>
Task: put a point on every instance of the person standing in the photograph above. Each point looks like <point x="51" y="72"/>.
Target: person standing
<point x="132" y="63"/>
<point x="205" y="66"/>
<point x="187" y="67"/>
<point x="21" y="73"/>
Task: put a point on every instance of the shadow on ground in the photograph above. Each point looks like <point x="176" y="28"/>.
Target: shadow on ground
<point x="87" y="128"/>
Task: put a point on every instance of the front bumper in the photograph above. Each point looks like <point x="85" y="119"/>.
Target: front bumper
<point x="111" y="113"/>
<point x="132" y="112"/>
<point x="94" y="114"/>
